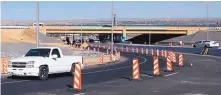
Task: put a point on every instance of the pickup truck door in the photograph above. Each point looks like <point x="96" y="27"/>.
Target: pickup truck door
<point x="199" y="44"/>
<point x="56" y="62"/>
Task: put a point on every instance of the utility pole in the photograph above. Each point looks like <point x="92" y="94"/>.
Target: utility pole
<point x="207" y="17"/>
<point x="81" y="32"/>
<point x="112" y="36"/>
<point x="149" y="32"/>
<point x="115" y="19"/>
<point x="37" y="28"/>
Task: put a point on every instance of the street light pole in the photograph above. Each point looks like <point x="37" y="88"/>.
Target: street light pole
<point x="112" y="36"/>
<point x="37" y="28"/>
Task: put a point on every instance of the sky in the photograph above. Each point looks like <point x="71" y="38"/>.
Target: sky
<point x="67" y="10"/>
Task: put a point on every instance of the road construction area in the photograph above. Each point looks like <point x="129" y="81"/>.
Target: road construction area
<point x="199" y="75"/>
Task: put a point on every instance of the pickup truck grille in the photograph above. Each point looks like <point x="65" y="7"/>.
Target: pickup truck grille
<point x="19" y="64"/>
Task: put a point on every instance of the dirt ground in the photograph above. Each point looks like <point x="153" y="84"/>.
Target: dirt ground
<point x="92" y="61"/>
<point x="17" y="35"/>
<point x="29" y="36"/>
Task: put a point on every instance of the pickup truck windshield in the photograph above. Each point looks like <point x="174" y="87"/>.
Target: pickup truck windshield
<point x="38" y="52"/>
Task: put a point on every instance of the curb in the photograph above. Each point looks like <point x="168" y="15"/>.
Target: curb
<point x="212" y="56"/>
<point x="154" y="45"/>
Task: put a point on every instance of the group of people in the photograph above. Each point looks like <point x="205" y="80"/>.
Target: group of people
<point x="74" y="42"/>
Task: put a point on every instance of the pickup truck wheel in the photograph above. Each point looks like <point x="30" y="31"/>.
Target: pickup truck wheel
<point x="43" y="73"/>
<point x="72" y="69"/>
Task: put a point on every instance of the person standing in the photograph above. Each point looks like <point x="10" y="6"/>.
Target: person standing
<point x="181" y="43"/>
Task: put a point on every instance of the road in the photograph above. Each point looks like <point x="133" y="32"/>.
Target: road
<point x="91" y="75"/>
<point x="212" y="51"/>
<point x="201" y="78"/>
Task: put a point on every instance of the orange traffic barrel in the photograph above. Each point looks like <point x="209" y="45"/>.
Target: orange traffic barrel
<point x="147" y="51"/>
<point x="102" y="59"/>
<point x="156" y="70"/>
<point x="77" y="77"/>
<point x="169" y="66"/>
<point x="135" y="70"/>
<point x="180" y="60"/>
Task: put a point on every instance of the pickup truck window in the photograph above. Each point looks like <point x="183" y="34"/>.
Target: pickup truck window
<point x="198" y="42"/>
<point x="206" y="41"/>
<point x="56" y="52"/>
<point x="38" y="52"/>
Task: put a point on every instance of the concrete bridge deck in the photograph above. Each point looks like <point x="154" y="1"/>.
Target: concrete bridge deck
<point x="121" y="29"/>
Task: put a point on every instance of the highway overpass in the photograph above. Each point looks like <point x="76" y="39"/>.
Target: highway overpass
<point x="121" y="29"/>
<point x="125" y="32"/>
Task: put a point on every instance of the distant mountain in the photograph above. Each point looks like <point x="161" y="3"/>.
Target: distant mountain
<point x="120" y="21"/>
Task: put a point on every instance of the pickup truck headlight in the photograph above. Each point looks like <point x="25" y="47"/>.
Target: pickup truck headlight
<point x="30" y="64"/>
<point x="9" y="64"/>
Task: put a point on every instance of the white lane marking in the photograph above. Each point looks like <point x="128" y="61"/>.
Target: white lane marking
<point x="145" y="75"/>
<point x="145" y="60"/>
<point x="14" y="81"/>
<point x="171" y="74"/>
<point x="98" y="84"/>
<point x="110" y="82"/>
<point x="192" y="94"/>
<point x="80" y="94"/>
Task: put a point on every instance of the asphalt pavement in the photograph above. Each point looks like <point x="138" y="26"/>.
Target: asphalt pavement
<point x="199" y="76"/>
<point x="91" y="75"/>
<point x="202" y="78"/>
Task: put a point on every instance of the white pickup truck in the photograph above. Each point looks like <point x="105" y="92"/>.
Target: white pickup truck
<point x="42" y="61"/>
<point x="204" y="43"/>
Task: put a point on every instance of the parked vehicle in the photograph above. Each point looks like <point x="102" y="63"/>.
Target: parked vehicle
<point x="78" y="43"/>
<point x="206" y="44"/>
<point x="42" y="61"/>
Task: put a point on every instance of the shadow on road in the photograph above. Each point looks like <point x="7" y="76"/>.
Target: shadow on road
<point x="51" y="76"/>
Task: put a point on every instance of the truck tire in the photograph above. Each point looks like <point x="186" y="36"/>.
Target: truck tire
<point x="43" y="73"/>
<point x="72" y="69"/>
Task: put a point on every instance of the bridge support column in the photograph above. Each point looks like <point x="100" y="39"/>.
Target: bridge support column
<point x="124" y="36"/>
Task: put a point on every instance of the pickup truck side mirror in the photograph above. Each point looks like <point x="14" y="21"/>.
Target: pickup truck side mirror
<point x="54" y="56"/>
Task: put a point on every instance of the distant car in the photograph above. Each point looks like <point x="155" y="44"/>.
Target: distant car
<point x="96" y="41"/>
<point x="126" y="42"/>
<point x="106" y="26"/>
<point x="77" y="43"/>
<point x="205" y="43"/>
